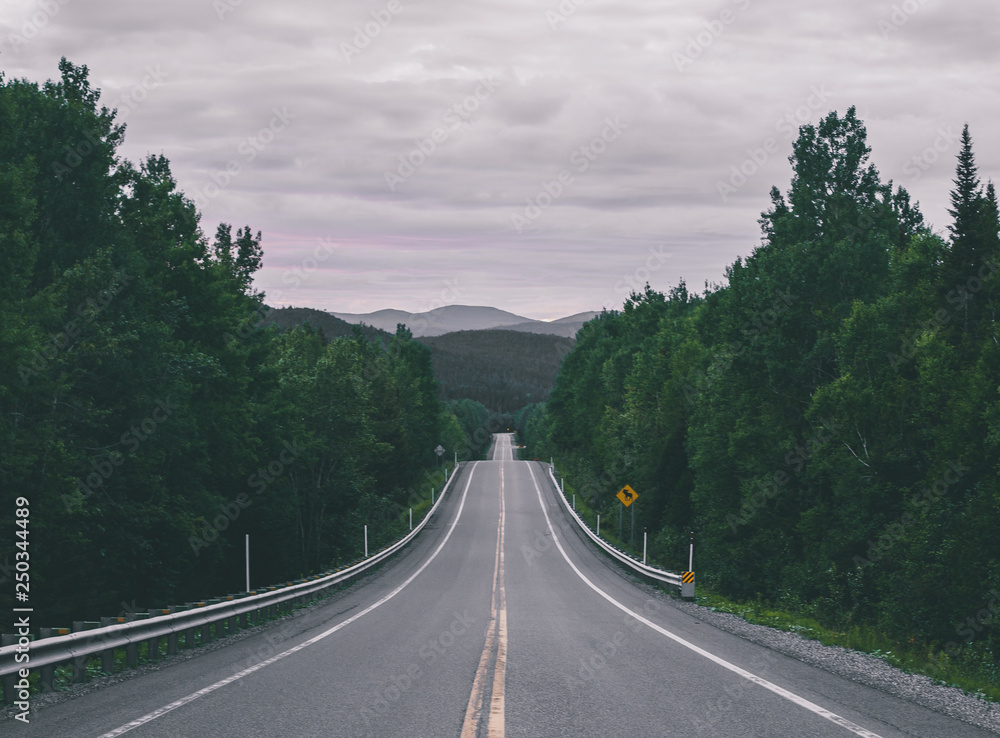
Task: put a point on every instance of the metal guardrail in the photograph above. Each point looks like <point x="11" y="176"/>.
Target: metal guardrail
<point x="675" y="580"/>
<point x="46" y="653"/>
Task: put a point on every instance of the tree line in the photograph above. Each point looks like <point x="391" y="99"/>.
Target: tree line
<point x="146" y="413"/>
<point x="828" y="420"/>
<point x="501" y="369"/>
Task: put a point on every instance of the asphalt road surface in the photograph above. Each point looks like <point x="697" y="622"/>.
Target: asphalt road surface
<point x="499" y="620"/>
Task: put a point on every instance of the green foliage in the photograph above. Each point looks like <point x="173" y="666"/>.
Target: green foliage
<point x="828" y="422"/>
<point x="328" y="325"/>
<point x="503" y="370"/>
<point x="147" y="414"/>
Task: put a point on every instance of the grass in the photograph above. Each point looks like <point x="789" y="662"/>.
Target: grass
<point x="421" y="507"/>
<point x="609" y="524"/>
<point x="971" y="669"/>
<point x="63" y="674"/>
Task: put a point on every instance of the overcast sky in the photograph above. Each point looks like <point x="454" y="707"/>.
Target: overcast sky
<point x="389" y="149"/>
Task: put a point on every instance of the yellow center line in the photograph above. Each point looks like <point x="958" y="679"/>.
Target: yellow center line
<point x="496" y="724"/>
<point x="497" y="631"/>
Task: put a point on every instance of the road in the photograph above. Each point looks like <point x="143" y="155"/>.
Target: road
<point x="499" y="620"/>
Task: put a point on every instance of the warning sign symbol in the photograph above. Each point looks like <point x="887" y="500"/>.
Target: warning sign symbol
<point x="627" y="495"/>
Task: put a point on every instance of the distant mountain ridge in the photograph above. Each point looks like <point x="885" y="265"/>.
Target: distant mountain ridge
<point x="505" y="369"/>
<point x="453" y="318"/>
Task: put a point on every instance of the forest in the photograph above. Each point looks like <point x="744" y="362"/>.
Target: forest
<point x="149" y="416"/>
<point x="827" y="422"/>
<point x="503" y="370"/>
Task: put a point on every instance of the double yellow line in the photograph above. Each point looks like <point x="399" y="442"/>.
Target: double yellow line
<point x="497" y="632"/>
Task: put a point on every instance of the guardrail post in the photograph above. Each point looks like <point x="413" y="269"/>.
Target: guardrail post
<point x="80" y="662"/>
<point x="173" y="645"/>
<point x="108" y="655"/>
<point x="132" y="649"/>
<point x="130" y="634"/>
<point x="153" y="644"/>
<point x="8" y="639"/>
<point x="188" y="632"/>
<point x="48" y="673"/>
<point x="206" y="628"/>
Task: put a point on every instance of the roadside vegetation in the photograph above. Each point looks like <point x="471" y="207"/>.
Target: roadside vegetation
<point x="827" y="421"/>
<point x="149" y="415"/>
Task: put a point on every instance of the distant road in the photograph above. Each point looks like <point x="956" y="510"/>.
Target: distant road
<point x="499" y="620"/>
<point x="503" y="447"/>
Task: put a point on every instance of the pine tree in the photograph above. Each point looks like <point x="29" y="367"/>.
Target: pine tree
<point x="966" y="203"/>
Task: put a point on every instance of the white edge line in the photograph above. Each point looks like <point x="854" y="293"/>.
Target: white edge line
<point x="256" y="667"/>
<point x="780" y="691"/>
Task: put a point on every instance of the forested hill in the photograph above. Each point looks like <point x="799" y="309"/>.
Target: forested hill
<point x="328" y="324"/>
<point x="504" y="370"/>
<point x="147" y="422"/>
<point x="828" y="422"/>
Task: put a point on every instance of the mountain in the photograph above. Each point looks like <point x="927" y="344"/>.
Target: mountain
<point x="452" y="318"/>
<point x="439" y="321"/>
<point x="503" y="369"/>
<point x="332" y="326"/>
<point x="565" y="327"/>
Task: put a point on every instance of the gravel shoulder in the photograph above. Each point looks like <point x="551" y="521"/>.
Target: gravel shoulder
<point x="856" y="666"/>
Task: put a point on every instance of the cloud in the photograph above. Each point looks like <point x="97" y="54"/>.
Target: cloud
<point x="701" y="89"/>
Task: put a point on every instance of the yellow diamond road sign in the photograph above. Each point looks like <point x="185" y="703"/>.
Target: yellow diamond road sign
<point x="627" y="495"/>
